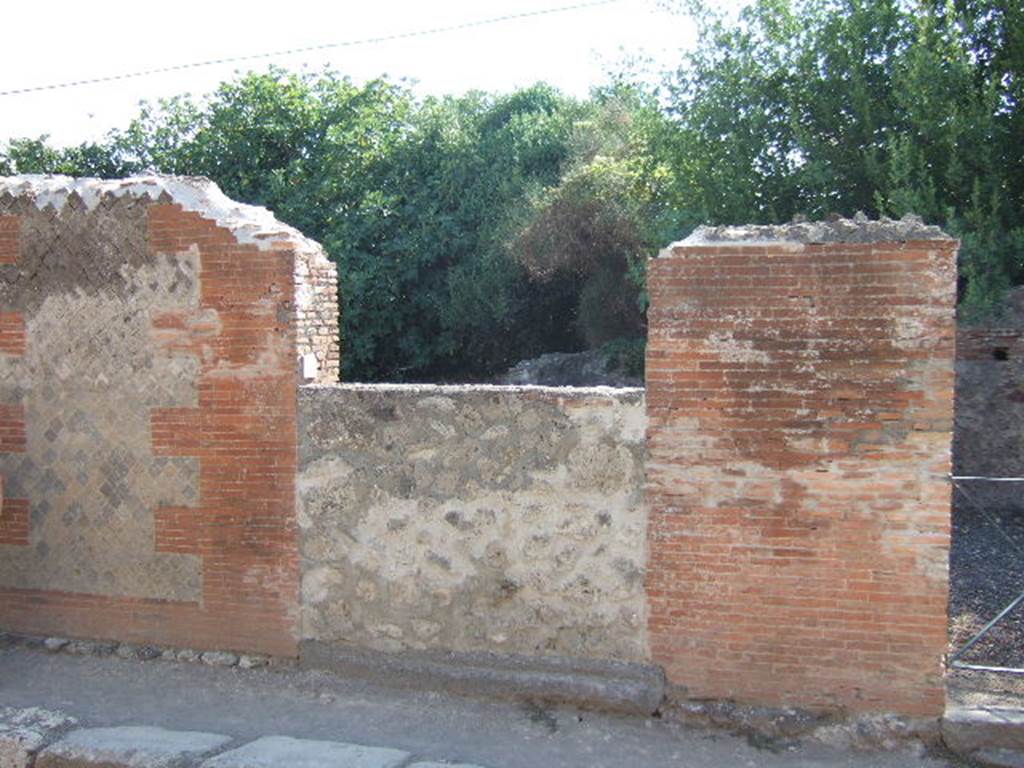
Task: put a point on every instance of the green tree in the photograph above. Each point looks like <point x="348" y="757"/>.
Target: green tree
<point x="594" y="228"/>
<point x="814" y="107"/>
<point x="413" y="201"/>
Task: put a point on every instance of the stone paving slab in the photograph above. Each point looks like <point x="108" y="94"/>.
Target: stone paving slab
<point x="443" y="765"/>
<point x="132" y="746"/>
<point x="286" y="752"/>
<point x="23" y="732"/>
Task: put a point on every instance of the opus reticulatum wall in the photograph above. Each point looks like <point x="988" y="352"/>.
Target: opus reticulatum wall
<point x="148" y="378"/>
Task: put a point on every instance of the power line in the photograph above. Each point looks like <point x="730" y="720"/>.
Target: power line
<point x="307" y="49"/>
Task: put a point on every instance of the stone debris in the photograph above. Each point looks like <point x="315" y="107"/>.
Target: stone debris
<point x="147" y="652"/>
<point x="877" y="732"/>
<point x="219" y="659"/>
<point x="249" y="661"/>
<point x="133" y="746"/>
<point x="130" y="651"/>
<point x="286" y="752"/>
<point x="90" y="648"/>
<point x="23" y="732"/>
<point x="55" y="644"/>
<point x="593" y="368"/>
<point x="126" y="651"/>
<point x="837" y="230"/>
<point x="998" y="758"/>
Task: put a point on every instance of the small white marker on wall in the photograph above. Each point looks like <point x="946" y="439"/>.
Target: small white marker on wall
<point x="310" y="367"/>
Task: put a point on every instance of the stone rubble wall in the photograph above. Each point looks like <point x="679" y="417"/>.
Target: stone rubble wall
<point x="483" y="518"/>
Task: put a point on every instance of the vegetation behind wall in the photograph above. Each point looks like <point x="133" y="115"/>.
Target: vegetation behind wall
<point x="474" y="231"/>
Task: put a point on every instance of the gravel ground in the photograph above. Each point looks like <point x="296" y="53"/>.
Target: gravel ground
<point x="986" y="573"/>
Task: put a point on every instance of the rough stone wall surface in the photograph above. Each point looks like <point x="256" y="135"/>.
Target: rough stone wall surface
<point x="990" y="402"/>
<point x="990" y="407"/>
<point x="147" y="414"/>
<point x="799" y="401"/>
<point x="473" y="518"/>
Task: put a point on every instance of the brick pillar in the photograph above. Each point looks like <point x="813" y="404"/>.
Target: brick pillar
<point x="800" y="404"/>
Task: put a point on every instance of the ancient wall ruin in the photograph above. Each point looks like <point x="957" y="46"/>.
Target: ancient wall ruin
<point x="503" y="519"/>
<point x="148" y="378"/>
<point x="800" y="404"/>
<point x="770" y="523"/>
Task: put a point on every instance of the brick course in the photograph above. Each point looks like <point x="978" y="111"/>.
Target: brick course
<point x="800" y="410"/>
<point x="10" y="228"/>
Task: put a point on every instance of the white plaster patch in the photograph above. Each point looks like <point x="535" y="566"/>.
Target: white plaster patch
<point x="732" y="350"/>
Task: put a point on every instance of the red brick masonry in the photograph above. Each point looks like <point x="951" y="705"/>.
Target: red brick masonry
<point x="800" y="403"/>
<point x="13" y="512"/>
<point x="9" y="232"/>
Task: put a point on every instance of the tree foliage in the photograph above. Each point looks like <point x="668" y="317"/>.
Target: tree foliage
<point x="412" y="200"/>
<point x="814" y="107"/>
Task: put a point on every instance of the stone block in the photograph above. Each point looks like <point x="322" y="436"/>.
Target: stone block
<point x="23" y="732"/>
<point x="977" y="732"/>
<point x="130" y="746"/>
<point x="285" y="752"/>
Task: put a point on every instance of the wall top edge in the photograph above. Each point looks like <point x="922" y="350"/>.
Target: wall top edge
<point x="495" y="389"/>
<point x="857" y="230"/>
<point x="250" y="224"/>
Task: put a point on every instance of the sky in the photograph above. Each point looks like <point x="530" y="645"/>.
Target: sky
<point x="573" y="50"/>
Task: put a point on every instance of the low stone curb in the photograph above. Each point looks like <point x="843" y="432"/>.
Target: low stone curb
<point x="992" y="737"/>
<point x="606" y="685"/>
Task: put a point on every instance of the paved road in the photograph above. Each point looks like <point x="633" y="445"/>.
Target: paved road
<point x="248" y="704"/>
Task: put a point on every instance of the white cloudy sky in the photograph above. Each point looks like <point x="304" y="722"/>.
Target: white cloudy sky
<point x="53" y="42"/>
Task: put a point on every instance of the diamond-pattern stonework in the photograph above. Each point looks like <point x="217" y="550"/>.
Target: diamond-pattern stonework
<point x="88" y="380"/>
<point x="148" y="388"/>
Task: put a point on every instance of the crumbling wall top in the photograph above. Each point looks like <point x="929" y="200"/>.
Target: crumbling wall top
<point x="250" y="224"/>
<point x="859" y="229"/>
